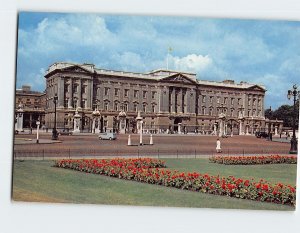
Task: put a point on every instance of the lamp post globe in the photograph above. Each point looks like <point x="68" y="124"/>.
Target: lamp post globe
<point x="54" y="131"/>
<point x="294" y="93"/>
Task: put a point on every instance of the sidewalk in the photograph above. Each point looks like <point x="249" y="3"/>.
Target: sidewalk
<point x="22" y="141"/>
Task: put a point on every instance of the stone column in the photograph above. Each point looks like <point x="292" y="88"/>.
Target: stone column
<point x="179" y="128"/>
<point x="122" y="122"/>
<point x="247" y="130"/>
<point x="30" y="120"/>
<point x="19" y="116"/>
<point x="76" y="122"/>
<point x="276" y="130"/>
<point x="60" y="92"/>
<point x="79" y="95"/>
<point x="179" y="101"/>
<point x="221" y="128"/>
<point x="173" y="97"/>
<point x="215" y="129"/>
<point x="138" y="120"/>
<point x="70" y="102"/>
<point x="241" y="132"/>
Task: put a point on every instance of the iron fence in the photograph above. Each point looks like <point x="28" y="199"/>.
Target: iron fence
<point x="138" y="152"/>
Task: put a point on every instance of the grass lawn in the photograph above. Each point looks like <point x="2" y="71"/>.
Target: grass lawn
<point x="39" y="181"/>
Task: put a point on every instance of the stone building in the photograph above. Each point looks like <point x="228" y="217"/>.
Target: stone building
<point x="169" y="101"/>
<point x="30" y="107"/>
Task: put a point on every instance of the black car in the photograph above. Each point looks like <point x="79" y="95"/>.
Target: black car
<point x="261" y="135"/>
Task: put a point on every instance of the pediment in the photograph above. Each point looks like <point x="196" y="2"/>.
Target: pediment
<point x="76" y="68"/>
<point x="256" y="88"/>
<point x="179" y="78"/>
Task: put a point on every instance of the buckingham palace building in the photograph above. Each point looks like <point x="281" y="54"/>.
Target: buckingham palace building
<point x="167" y="101"/>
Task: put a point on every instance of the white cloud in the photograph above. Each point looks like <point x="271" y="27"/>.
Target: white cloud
<point x="191" y="62"/>
<point x="129" y="61"/>
<point x="66" y="33"/>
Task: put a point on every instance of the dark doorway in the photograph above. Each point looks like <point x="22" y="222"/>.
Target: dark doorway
<point x="176" y="122"/>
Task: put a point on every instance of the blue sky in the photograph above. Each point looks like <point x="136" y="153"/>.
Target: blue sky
<point x="257" y="51"/>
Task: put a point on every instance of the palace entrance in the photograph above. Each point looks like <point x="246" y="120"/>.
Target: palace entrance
<point x="177" y="120"/>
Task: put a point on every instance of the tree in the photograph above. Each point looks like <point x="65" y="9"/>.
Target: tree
<point x="285" y="113"/>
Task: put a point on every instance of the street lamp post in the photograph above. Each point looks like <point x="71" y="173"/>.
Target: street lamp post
<point x="294" y="93"/>
<point x="54" y="131"/>
<point x="37" y="131"/>
<point x="269" y="129"/>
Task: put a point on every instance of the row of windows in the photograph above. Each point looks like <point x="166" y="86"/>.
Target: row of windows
<point x="226" y="99"/>
<point x="75" y="88"/>
<point x="125" y="107"/>
<point x="231" y="112"/>
<point x="116" y="107"/>
<point x="127" y="92"/>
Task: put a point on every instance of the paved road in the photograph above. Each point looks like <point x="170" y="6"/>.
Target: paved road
<point x="184" y="145"/>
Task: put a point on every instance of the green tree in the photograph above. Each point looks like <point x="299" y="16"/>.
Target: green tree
<point x="285" y="113"/>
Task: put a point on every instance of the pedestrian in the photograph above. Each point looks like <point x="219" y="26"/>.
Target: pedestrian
<point x="30" y="130"/>
<point x="218" y="148"/>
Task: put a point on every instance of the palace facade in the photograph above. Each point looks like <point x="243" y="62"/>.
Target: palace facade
<point x="168" y="101"/>
<point x="30" y="107"/>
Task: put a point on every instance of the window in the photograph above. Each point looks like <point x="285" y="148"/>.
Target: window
<point x="116" y="106"/>
<point x="203" y="110"/>
<point x="75" y="88"/>
<point x="248" y="113"/>
<point x="75" y="103"/>
<point x="144" y="107"/>
<point x="152" y="124"/>
<point x="105" y="123"/>
<point x="66" y="102"/>
<point x="210" y="111"/>
<point x="153" y="108"/>
<point x="254" y="112"/>
<point x="239" y="101"/>
<point x="105" y="106"/>
<point x="153" y="94"/>
<point x="225" y="100"/>
<point x="258" y="102"/>
<point x="254" y="101"/>
<point x="203" y="98"/>
<point x="125" y="107"/>
<point x="106" y="90"/>
<point x="126" y="91"/>
<point x="231" y="113"/>
<point x="135" y="93"/>
<point x="83" y="89"/>
<point x="66" y="88"/>
<point x="83" y="103"/>
<point x="211" y="99"/>
<point x="144" y="94"/>
<point x="117" y="91"/>
<point x="218" y="99"/>
<point x="135" y="108"/>
<point x="232" y="101"/>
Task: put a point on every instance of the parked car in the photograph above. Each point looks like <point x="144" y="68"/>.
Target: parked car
<point x="261" y="134"/>
<point x="65" y="132"/>
<point x="108" y="136"/>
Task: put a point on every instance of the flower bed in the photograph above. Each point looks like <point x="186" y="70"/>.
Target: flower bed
<point x="149" y="171"/>
<point x="252" y="160"/>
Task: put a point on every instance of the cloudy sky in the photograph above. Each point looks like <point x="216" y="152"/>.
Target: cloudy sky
<point x="257" y="51"/>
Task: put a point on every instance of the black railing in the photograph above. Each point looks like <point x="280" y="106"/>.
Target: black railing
<point x="136" y="152"/>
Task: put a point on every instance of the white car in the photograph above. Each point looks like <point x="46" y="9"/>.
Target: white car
<point x="108" y="136"/>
